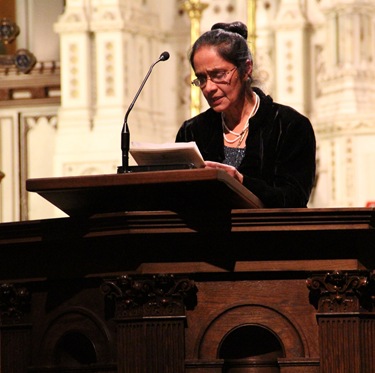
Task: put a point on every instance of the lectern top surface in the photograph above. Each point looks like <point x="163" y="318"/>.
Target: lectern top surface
<point x="157" y="190"/>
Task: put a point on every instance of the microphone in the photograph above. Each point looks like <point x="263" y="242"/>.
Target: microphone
<point x="125" y="134"/>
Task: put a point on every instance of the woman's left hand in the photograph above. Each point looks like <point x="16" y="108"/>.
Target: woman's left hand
<point x="232" y="171"/>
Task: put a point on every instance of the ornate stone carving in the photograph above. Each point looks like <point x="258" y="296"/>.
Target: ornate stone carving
<point x="150" y="295"/>
<point x="14" y="303"/>
<point x="342" y="292"/>
<point x="345" y="127"/>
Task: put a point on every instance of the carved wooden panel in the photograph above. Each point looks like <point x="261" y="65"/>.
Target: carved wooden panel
<point x="268" y="296"/>
<point x="15" y="328"/>
<point x="346" y="318"/>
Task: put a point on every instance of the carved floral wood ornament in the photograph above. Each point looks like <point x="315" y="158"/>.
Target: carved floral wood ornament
<point x="343" y="291"/>
<point x="14" y="303"/>
<point x="155" y="295"/>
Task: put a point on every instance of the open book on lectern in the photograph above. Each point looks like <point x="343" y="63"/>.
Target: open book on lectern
<point x="150" y="154"/>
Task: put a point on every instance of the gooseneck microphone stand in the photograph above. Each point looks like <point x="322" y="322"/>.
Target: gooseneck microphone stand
<point x="125" y="133"/>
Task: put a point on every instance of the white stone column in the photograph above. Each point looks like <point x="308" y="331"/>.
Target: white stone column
<point x="76" y="64"/>
<point x="110" y="54"/>
<point x="128" y="39"/>
<point x="292" y="56"/>
<point x="265" y="55"/>
<point x="75" y="116"/>
<point x="350" y="70"/>
<point x="345" y="117"/>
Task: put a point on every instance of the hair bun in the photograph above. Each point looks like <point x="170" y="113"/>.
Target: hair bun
<point x="236" y="27"/>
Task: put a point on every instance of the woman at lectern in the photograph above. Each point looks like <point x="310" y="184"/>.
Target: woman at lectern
<point x="266" y="146"/>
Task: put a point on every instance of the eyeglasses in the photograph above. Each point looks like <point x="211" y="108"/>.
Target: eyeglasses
<point x="217" y="77"/>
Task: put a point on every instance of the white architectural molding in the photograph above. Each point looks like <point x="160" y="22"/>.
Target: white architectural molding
<point x="76" y="17"/>
<point x="76" y="65"/>
<point x="292" y="55"/>
<point x="317" y="56"/>
<point x="37" y="127"/>
<point x="10" y="202"/>
<point x="344" y="118"/>
<point x="264" y="66"/>
<point x="107" y="47"/>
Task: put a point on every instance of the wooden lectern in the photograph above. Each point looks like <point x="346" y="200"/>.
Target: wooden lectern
<point x="182" y="272"/>
<point x="158" y="190"/>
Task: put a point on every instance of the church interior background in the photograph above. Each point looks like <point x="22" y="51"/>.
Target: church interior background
<point x="64" y="117"/>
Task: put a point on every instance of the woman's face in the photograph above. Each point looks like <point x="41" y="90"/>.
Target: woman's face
<point x="229" y="89"/>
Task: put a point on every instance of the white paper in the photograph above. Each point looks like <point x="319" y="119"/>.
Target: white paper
<point x="146" y="154"/>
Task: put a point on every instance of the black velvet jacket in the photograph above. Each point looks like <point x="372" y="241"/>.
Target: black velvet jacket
<point x="279" y="162"/>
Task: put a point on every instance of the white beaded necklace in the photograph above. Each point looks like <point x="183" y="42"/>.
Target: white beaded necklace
<point x="240" y="136"/>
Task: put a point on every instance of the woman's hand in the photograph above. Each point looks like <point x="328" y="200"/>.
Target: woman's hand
<point x="232" y="171"/>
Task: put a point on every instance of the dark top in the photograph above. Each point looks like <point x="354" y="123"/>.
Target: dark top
<point x="233" y="156"/>
<point x="279" y="161"/>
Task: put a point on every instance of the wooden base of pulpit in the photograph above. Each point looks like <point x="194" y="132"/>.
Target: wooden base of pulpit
<point x="222" y="287"/>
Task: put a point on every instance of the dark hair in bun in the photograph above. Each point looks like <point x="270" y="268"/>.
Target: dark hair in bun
<point x="230" y="41"/>
<point x="236" y="27"/>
